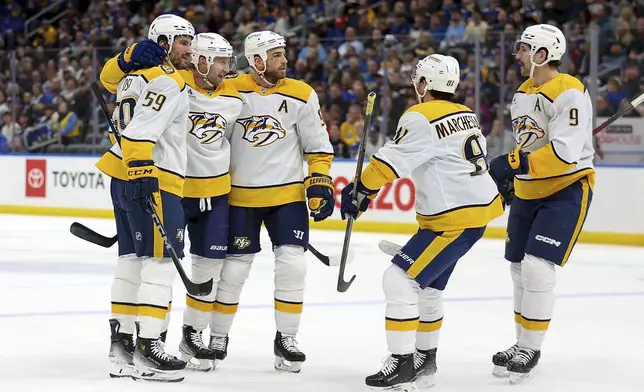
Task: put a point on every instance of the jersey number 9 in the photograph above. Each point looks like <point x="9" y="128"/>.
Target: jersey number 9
<point x="574" y="117"/>
<point x="473" y="153"/>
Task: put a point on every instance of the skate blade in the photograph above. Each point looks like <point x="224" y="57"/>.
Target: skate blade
<point x="404" y="387"/>
<point x="157" y="375"/>
<point x="197" y="365"/>
<point x="500" y="371"/>
<point x="282" y="365"/>
<point x="120" y="370"/>
<point x="518" y="378"/>
<point x="426" y="382"/>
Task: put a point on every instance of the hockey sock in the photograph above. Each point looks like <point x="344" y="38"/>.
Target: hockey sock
<point x="430" y="307"/>
<point x="234" y="273"/>
<point x="538" y="300"/>
<point x="290" y="275"/>
<point x="517" y="296"/>
<point x="199" y="308"/>
<point x="125" y="286"/>
<point x="401" y="315"/>
<point x="155" y="293"/>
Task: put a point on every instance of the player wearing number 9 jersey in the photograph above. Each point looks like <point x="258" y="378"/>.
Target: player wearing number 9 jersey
<point x="440" y="144"/>
<point x="149" y="162"/>
<point x="549" y="176"/>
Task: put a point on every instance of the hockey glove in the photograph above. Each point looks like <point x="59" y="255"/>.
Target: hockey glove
<point x="355" y="208"/>
<point x="143" y="183"/>
<point x="319" y="192"/>
<point x="503" y="169"/>
<point x="146" y="53"/>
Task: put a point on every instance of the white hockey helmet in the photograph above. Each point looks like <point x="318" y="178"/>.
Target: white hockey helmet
<point x="211" y="46"/>
<point x="440" y="72"/>
<point x="543" y="36"/>
<point x="259" y="43"/>
<point x="170" y="26"/>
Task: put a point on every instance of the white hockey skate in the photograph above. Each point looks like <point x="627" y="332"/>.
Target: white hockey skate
<point x="121" y="351"/>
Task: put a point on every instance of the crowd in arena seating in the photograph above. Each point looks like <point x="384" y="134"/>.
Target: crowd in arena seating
<point x="344" y="49"/>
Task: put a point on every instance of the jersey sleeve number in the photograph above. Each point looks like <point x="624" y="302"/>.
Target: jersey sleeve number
<point x="153" y="100"/>
<point x="473" y="153"/>
<point x="125" y="111"/>
<point x="573" y="116"/>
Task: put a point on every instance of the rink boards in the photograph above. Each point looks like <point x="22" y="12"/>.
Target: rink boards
<point x="72" y="186"/>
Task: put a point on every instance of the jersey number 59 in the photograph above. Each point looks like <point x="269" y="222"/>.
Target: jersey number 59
<point x="473" y="153"/>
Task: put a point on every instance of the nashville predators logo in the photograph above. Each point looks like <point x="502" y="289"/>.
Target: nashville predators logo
<point x="526" y="131"/>
<point x="262" y="130"/>
<point x="207" y="127"/>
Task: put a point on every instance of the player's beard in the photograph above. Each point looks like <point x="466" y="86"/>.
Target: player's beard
<point x="274" y="75"/>
<point x="178" y="61"/>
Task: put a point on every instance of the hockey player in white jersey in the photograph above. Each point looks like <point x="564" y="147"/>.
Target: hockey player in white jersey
<point x="548" y="178"/>
<point x="150" y="162"/>
<point x="279" y="126"/>
<point x="441" y="145"/>
<point x="215" y="105"/>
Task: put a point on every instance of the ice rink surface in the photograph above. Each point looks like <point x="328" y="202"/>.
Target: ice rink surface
<point x="54" y="334"/>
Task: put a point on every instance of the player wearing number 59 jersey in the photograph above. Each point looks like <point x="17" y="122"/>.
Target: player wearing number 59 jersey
<point x="440" y="144"/>
<point x="149" y="162"/>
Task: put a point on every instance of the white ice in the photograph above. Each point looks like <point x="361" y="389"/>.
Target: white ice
<point x="54" y="307"/>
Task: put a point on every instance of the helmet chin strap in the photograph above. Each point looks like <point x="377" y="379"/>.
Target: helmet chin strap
<point x="418" y="95"/>
<point x="534" y="65"/>
<point x="205" y="76"/>
<point x="261" y="75"/>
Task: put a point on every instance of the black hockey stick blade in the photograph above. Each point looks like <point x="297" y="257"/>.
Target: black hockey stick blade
<point x="344" y="285"/>
<point x="333" y="260"/>
<point x="198" y="289"/>
<point x="85" y="233"/>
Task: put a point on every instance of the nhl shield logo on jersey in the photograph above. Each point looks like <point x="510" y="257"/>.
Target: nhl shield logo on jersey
<point x="207" y="127"/>
<point x="526" y="131"/>
<point x="262" y="130"/>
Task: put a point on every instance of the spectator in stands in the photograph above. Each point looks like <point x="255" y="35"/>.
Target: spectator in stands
<point x="349" y="129"/>
<point x="67" y="124"/>
<point x="340" y="148"/>
<point x="376" y="139"/>
<point x="11" y="131"/>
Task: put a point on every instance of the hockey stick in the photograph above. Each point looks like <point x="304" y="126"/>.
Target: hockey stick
<point x="332" y="261"/>
<point x="85" y="233"/>
<point x="633" y="104"/>
<point x="342" y="284"/>
<point x="198" y="289"/>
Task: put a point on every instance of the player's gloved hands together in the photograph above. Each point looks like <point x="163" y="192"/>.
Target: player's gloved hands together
<point x="503" y="169"/>
<point x="146" y="53"/>
<point x="143" y="182"/>
<point x="352" y="208"/>
<point x="319" y="192"/>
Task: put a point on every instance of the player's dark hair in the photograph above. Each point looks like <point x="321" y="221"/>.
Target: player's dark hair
<point x="441" y="95"/>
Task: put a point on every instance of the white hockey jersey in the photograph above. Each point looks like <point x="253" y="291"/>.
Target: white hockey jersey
<point x="212" y="116"/>
<point x="152" y="117"/>
<point x="440" y="144"/>
<point x="554" y="123"/>
<point x="276" y="129"/>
